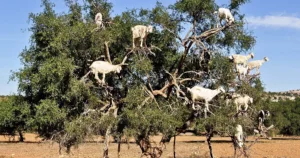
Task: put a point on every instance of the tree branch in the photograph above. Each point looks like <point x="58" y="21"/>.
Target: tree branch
<point x="186" y="38"/>
<point x="107" y="52"/>
<point x="197" y="73"/>
<point x="176" y="35"/>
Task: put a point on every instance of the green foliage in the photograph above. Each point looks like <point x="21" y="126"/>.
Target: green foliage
<point x="221" y="68"/>
<point x="142" y="65"/>
<point x="284" y="116"/>
<point x="196" y="9"/>
<point x="142" y="122"/>
<point x="14" y="113"/>
<point x="48" y="118"/>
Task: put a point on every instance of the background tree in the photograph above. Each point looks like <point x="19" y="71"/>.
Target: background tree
<point x="13" y="116"/>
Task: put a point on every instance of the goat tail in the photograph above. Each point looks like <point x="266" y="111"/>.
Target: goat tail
<point x="216" y="12"/>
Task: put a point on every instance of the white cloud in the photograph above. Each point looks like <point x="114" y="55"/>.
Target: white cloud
<point x="275" y="21"/>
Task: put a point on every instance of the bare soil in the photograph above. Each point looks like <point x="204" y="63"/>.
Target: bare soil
<point x="187" y="146"/>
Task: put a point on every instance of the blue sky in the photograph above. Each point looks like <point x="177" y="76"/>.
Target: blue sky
<point x="275" y="24"/>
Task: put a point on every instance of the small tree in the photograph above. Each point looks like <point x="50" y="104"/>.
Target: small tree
<point x="13" y="116"/>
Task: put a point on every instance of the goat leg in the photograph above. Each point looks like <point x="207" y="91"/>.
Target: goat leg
<point x="97" y="78"/>
<point x="205" y="113"/>
<point x="209" y="111"/>
<point x="145" y="39"/>
<point x="142" y="39"/>
<point x="193" y="106"/>
<point x="103" y="78"/>
<point x="133" y="44"/>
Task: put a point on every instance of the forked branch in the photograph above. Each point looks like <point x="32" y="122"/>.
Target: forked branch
<point x="174" y="82"/>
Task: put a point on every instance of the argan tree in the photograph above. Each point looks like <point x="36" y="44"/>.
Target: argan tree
<point x="149" y="96"/>
<point x="13" y="116"/>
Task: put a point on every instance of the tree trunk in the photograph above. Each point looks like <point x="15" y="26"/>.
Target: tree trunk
<point x="21" y="137"/>
<point x="106" y="142"/>
<point x="208" y="138"/>
<point x="174" y="146"/>
<point x="119" y="147"/>
<point x="68" y="150"/>
<point x="144" y="144"/>
<point x="148" y="150"/>
<point x="234" y="145"/>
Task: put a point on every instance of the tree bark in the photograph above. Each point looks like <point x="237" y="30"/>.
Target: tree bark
<point x="182" y="59"/>
<point x="234" y="145"/>
<point x="208" y="138"/>
<point x="106" y="142"/>
<point x="174" y="146"/>
<point x="119" y="147"/>
<point x="21" y="137"/>
<point x="144" y="144"/>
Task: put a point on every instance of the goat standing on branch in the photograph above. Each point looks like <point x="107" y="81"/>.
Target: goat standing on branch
<point x="256" y="64"/>
<point x="242" y="100"/>
<point x="98" y="21"/>
<point x="239" y="136"/>
<point x="198" y="93"/>
<point x="241" y="59"/>
<point x="231" y="97"/>
<point x="224" y="13"/>
<point x="105" y="67"/>
<point x="141" y="31"/>
<point x="241" y="71"/>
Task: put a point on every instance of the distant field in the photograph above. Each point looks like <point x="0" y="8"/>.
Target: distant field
<point x="187" y="146"/>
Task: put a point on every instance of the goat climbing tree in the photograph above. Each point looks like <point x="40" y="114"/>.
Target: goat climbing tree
<point x="149" y="96"/>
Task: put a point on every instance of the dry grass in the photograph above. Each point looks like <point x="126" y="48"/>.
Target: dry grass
<point x="186" y="147"/>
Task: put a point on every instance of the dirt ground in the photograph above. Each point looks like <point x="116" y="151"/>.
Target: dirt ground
<point x="186" y="147"/>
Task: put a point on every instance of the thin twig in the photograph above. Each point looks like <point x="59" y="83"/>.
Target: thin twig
<point x="197" y="73"/>
<point x="176" y="35"/>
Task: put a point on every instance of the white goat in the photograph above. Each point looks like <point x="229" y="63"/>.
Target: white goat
<point x="256" y="64"/>
<point x="224" y="13"/>
<point x="239" y="135"/>
<point x="200" y="93"/>
<point x="141" y="31"/>
<point x="242" y="100"/>
<point x="98" y="20"/>
<point x="231" y="97"/>
<point x="242" y="71"/>
<point x="241" y="59"/>
<point x="104" y="67"/>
